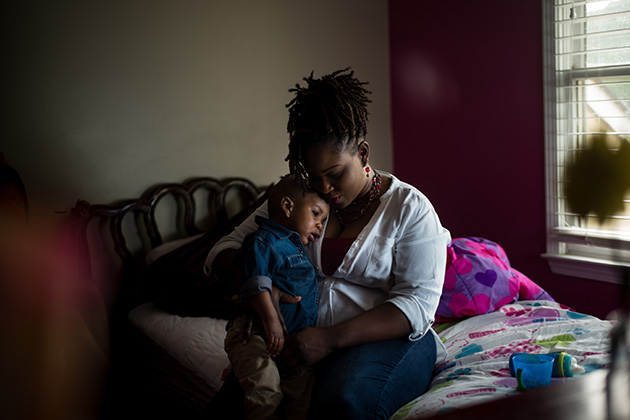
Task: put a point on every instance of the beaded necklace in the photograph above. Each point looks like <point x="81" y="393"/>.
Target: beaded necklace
<point x="346" y="216"/>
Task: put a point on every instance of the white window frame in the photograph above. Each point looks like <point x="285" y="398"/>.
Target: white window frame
<point x="572" y="251"/>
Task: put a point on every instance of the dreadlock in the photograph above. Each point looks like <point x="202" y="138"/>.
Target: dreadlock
<point x="330" y="109"/>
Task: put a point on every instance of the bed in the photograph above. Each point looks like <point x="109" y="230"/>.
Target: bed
<point x="168" y="320"/>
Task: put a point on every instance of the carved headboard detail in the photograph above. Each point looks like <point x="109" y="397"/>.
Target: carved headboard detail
<point x="115" y="238"/>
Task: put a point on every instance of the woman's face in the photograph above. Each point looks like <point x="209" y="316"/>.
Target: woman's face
<point x="339" y="175"/>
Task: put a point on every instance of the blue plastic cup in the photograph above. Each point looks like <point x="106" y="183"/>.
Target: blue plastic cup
<point x="533" y="370"/>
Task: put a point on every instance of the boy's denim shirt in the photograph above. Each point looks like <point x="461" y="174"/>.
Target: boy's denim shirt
<point x="275" y="255"/>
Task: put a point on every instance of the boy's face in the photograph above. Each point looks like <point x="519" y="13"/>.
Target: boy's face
<point x="307" y="217"/>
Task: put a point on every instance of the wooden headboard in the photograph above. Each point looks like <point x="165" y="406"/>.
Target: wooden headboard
<point x="115" y="238"/>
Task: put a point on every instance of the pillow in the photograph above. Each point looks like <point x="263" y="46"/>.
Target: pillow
<point x="186" y="351"/>
<point x="479" y="279"/>
<point x="177" y="283"/>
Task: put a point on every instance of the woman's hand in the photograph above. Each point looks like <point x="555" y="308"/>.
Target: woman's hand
<point x="313" y="343"/>
<point x="310" y="345"/>
<point x="278" y="296"/>
<point x="304" y="348"/>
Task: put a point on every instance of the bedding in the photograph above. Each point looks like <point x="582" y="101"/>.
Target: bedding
<point x="476" y="369"/>
<point x="175" y="316"/>
<point x="186" y="351"/>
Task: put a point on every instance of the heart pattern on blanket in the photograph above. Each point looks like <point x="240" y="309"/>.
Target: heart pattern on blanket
<point x="461" y="251"/>
<point x="487" y="278"/>
<point x="462" y="306"/>
<point x="459" y="266"/>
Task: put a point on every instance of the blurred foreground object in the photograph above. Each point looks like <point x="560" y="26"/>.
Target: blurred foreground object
<point x="596" y="183"/>
<point x="598" y="178"/>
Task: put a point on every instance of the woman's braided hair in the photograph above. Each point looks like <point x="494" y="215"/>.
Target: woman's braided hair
<point x="330" y="109"/>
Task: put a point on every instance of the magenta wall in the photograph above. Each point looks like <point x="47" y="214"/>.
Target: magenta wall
<point x="467" y="121"/>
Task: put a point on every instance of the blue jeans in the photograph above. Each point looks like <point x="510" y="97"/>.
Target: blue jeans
<point x="370" y="381"/>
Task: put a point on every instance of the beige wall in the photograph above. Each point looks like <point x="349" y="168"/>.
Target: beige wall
<point x="109" y="97"/>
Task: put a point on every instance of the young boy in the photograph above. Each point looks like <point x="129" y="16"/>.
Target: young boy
<point x="274" y="255"/>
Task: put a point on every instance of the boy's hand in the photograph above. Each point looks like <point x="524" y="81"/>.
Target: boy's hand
<point x="271" y="320"/>
<point x="275" y="335"/>
<point x="277" y="296"/>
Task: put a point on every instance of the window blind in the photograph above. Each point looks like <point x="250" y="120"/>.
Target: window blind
<point x="591" y="47"/>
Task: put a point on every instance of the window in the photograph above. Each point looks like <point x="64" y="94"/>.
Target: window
<point x="587" y="94"/>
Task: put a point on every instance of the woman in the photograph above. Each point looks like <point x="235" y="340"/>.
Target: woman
<point x="380" y="262"/>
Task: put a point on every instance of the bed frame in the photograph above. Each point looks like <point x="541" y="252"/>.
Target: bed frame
<point x="144" y="211"/>
<point x="114" y="240"/>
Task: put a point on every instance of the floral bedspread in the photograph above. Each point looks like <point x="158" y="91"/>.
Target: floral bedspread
<point x="476" y="369"/>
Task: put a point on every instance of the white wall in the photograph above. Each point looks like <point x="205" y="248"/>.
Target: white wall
<point x="109" y="97"/>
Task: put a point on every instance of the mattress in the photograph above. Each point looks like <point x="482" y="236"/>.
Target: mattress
<point x="186" y="352"/>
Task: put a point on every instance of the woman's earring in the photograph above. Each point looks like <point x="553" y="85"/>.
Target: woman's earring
<point x="367" y="171"/>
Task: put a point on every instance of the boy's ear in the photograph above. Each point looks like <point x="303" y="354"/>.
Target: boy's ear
<point x="287" y="205"/>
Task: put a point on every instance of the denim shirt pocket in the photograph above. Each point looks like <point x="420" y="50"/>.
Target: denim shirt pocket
<point x="296" y="265"/>
<point x="380" y="259"/>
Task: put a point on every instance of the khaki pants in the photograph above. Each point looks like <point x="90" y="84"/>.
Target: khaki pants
<point x="265" y="391"/>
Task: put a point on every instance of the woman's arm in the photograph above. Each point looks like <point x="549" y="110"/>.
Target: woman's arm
<point x="224" y="269"/>
<point x="383" y="322"/>
<point x="232" y="242"/>
<point x="419" y="259"/>
<point x="310" y="345"/>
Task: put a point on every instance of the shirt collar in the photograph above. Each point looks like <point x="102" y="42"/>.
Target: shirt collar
<point x="277" y="229"/>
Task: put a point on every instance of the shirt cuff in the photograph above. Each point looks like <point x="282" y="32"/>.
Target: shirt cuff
<point x="255" y="285"/>
<point x="419" y="320"/>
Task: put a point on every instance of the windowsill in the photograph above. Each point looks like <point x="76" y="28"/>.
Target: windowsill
<point x="584" y="267"/>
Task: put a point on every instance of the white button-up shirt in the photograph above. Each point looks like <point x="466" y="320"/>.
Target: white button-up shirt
<point x="399" y="257"/>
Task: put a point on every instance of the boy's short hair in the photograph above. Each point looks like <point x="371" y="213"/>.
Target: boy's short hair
<point x="287" y="186"/>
